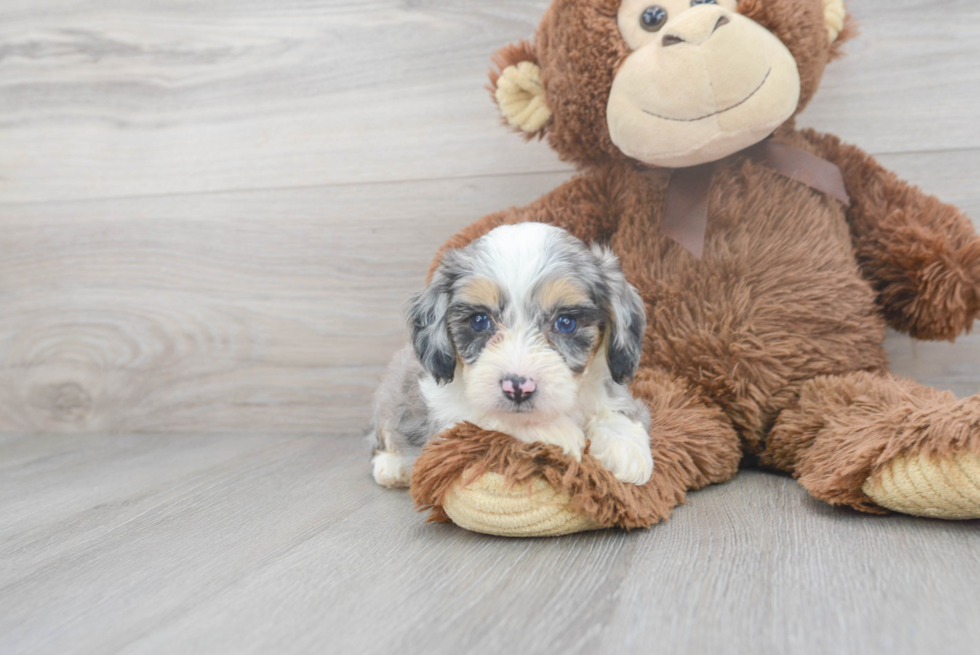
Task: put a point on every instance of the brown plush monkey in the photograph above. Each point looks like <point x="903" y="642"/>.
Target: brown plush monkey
<point x="766" y="308"/>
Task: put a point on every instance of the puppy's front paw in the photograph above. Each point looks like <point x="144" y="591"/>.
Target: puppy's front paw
<point x="623" y="447"/>
<point x="391" y="469"/>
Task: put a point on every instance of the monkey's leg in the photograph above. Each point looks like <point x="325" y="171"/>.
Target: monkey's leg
<point x="874" y="442"/>
<point x="694" y="443"/>
<point x="530" y="490"/>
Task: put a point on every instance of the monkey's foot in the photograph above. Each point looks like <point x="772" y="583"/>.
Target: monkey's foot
<point x="492" y="483"/>
<point x="922" y="485"/>
<point x="533" y="509"/>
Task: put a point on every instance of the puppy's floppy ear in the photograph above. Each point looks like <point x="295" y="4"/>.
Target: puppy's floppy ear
<point x="515" y="83"/>
<point x="625" y="316"/>
<point x="430" y="333"/>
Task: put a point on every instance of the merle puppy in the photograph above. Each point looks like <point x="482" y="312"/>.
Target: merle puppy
<point x="525" y="331"/>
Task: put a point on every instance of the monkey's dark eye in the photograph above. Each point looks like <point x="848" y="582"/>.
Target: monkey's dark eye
<point x="480" y="323"/>
<point x="565" y="324"/>
<point x="695" y="3"/>
<point x="653" y="18"/>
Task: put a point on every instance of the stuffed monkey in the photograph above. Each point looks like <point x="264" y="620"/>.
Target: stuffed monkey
<point x="770" y="261"/>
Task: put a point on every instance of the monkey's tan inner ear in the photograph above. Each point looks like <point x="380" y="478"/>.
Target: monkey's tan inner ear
<point x="834" y="15"/>
<point x="521" y="97"/>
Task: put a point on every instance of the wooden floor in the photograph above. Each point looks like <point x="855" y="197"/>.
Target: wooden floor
<point x="210" y="216"/>
<point x="272" y="544"/>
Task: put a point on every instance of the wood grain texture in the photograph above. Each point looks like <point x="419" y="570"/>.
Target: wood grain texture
<point x="211" y="215"/>
<point x="214" y="544"/>
<point x="272" y="310"/>
<point x="120" y="98"/>
<point x="269" y="310"/>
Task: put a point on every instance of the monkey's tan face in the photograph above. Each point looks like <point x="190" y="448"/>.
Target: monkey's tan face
<point x="702" y="82"/>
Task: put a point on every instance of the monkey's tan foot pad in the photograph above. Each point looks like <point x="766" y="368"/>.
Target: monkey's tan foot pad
<point x="533" y="509"/>
<point x="945" y="488"/>
<point x="491" y="483"/>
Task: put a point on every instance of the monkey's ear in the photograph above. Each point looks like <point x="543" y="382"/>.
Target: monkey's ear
<point x="516" y="86"/>
<point x="834" y="15"/>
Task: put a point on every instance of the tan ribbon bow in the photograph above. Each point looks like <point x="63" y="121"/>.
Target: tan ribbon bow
<point x="685" y="218"/>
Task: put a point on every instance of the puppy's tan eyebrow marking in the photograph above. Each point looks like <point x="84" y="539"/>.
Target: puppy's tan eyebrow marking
<point x="481" y="292"/>
<point x="561" y="291"/>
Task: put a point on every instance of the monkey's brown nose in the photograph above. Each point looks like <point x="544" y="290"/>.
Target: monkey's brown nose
<point x="694" y="31"/>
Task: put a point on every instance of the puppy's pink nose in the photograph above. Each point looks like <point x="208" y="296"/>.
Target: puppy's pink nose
<point x="518" y="389"/>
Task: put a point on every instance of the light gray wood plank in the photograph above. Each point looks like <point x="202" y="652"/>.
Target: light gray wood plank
<point x="149" y="566"/>
<point x="906" y="82"/>
<point x="118" y="98"/>
<point x="61" y="492"/>
<point x="264" y="310"/>
<point x="123" y="99"/>
<point x="772" y="568"/>
<point x="267" y="310"/>
<point x="352" y="138"/>
<point x="291" y="548"/>
<point x="948" y="366"/>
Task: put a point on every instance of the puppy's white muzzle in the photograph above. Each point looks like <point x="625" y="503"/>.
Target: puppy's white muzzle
<point x="520" y="373"/>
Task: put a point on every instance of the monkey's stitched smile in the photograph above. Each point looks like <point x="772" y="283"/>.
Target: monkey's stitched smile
<point x="720" y="111"/>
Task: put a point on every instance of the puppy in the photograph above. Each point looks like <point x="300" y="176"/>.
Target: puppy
<point x="528" y="332"/>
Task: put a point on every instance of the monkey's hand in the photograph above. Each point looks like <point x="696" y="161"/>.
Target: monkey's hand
<point x="921" y="255"/>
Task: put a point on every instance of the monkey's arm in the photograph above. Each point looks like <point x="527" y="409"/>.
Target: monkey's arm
<point x="583" y="206"/>
<point x="921" y="255"/>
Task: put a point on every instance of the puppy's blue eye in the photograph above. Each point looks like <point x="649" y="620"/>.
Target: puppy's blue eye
<point x="480" y="323"/>
<point x="565" y="324"/>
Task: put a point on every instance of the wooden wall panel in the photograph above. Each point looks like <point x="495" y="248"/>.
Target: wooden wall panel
<point x="211" y="213"/>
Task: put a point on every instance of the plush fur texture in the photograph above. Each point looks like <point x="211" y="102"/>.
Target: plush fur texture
<point x="846" y="428"/>
<point x="771" y="345"/>
<point x="695" y="446"/>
